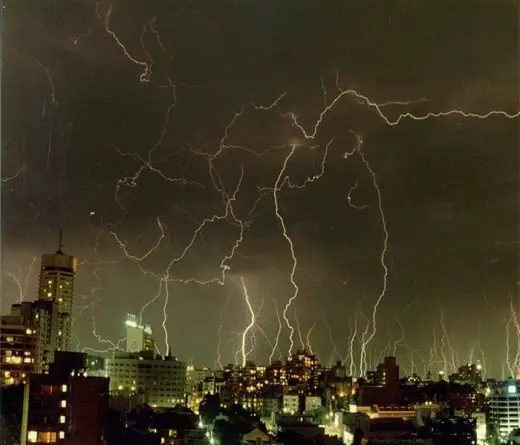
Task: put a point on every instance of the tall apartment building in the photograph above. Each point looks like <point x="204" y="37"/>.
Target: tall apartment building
<point x="161" y="379"/>
<point x="138" y="336"/>
<point x="57" y="275"/>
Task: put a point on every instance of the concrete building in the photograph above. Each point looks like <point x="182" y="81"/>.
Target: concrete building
<point x="64" y="407"/>
<point x="504" y="411"/>
<point x="138" y="336"/>
<point x="56" y="283"/>
<point x="161" y="379"/>
<point x="195" y="377"/>
<point x="18" y="348"/>
<point x="291" y="403"/>
<point x="312" y="403"/>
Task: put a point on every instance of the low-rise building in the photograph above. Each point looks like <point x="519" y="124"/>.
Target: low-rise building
<point x="161" y="379"/>
<point x="64" y="407"/>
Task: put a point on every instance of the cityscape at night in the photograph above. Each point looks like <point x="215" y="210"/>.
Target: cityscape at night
<point x="246" y="222"/>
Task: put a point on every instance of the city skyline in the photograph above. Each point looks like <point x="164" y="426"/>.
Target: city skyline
<point x="337" y="163"/>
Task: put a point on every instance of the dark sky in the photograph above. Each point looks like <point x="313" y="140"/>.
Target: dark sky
<point x="117" y="115"/>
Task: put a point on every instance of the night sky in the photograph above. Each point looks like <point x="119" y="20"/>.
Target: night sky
<point x="131" y="123"/>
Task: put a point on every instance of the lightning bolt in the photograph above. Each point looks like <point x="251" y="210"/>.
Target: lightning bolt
<point x="308" y="338"/>
<point x="13" y="177"/>
<point x="75" y="40"/>
<point x="335" y="352"/>
<point x="278" y="332"/>
<point x="250" y="325"/>
<point x="48" y="74"/>
<point x="277" y="186"/>
<point x="298" y="329"/>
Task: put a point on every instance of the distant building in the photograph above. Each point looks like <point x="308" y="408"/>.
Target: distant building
<point x="312" y="403"/>
<point x="504" y="411"/>
<point x="161" y="379"/>
<point x="138" y="336"/>
<point x="291" y="404"/>
<point x="195" y="377"/>
<point x="302" y="368"/>
<point x="64" y="407"/>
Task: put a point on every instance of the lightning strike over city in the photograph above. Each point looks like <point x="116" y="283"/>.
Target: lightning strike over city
<point x="169" y="166"/>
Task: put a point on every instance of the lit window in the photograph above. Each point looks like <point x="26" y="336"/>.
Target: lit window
<point x="62" y="419"/>
<point x="28" y="331"/>
<point x="32" y="436"/>
<point x="27" y="360"/>
<point x="49" y="282"/>
<point x="63" y="388"/>
<point x="47" y="437"/>
<point x="49" y="294"/>
<point x="63" y="403"/>
<point x="62" y="434"/>
<point x="9" y="339"/>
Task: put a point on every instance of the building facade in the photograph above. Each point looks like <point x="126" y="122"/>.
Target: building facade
<point x="138" y="336"/>
<point x="18" y="349"/>
<point x="504" y="411"/>
<point x="161" y="379"/>
<point x="56" y="283"/>
<point x="64" y="406"/>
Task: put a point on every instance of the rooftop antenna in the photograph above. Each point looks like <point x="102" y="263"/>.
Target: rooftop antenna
<point x="60" y="242"/>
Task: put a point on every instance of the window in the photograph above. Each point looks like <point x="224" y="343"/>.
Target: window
<point x="47" y="437"/>
<point x="63" y="388"/>
<point x="63" y="403"/>
<point x="62" y="419"/>
<point x="32" y="436"/>
<point x="62" y="434"/>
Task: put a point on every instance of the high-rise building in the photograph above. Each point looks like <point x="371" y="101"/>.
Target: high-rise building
<point x="57" y="274"/>
<point x="138" y="336"/>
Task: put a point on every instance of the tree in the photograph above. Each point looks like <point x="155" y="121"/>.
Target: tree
<point x="209" y="408"/>
<point x="358" y="436"/>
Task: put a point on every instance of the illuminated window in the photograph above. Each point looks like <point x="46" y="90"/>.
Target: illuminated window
<point x="63" y="388"/>
<point x="49" y="282"/>
<point x="62" y="419"/>
<point x="63" y="403"/>
<point x="9" y="339"/>
<point x="47" y="436"/>
<point x="27" y="360"/>
<point x="49" y="294"/>
<point x="32" y="436"/>
<point x="25" y="353"/>
<point x="62" y="434"/>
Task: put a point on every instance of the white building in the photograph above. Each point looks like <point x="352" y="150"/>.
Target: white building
<point x="162" y="380"/>
<point x="312" y="403"/>
<point x="290" y="404"/>
<point x="504" y="411"/>
<point x="138" y="336"/>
